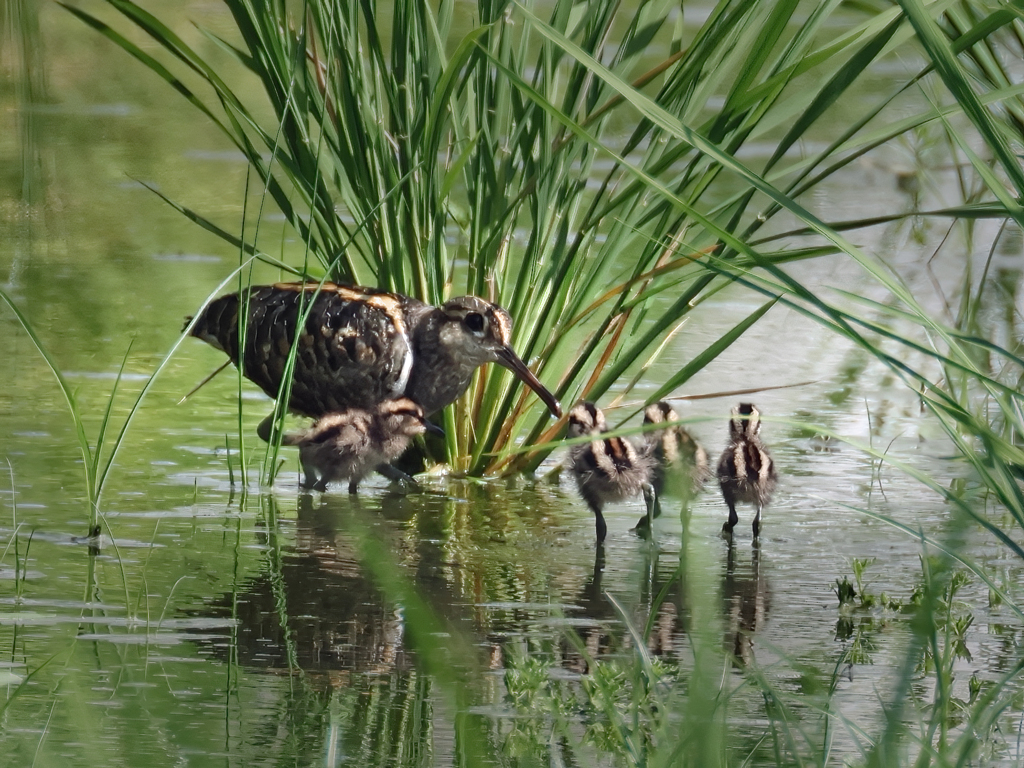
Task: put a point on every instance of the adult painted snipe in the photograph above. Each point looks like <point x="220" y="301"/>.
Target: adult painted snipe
<point x="358" y="347"/>
<point x="348" y="445"/>
<point x="746" y="471"/>
<point x="607" y="469"/>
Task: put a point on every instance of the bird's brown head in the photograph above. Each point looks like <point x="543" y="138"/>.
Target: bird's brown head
<point x="586" y="419"/>
<point x="659" y="413"/>
<point x="402" y="416"/>
<point x="479" y="332"/>
<point x="745" y="421"/>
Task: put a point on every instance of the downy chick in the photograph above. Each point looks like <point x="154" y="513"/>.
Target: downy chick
<point x="606" y="469"/>
<point x="675" y="451"/>
<point x="746" y="472"/>
<point x="350" y="444"/>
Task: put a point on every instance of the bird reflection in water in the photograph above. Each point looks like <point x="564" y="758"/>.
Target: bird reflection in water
<point x="313" y="606"/>
<point x="316" y="605"/>
<point x="662" y="591"/>
<point x="606" y="633"/>
<point x="746" y="600"/>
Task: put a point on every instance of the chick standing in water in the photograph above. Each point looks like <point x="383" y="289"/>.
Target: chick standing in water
<point x="746" y="471"/>
<point x="352" y="443"/>
<point x="679" y="462"/>
<point x="607" y="469"/>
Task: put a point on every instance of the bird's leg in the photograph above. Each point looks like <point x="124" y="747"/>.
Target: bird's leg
<point x="602" y="526"/>
<point x="598" y="568"/>
<point x="309" y="478"/>
<point x="645" y="528"/>
<point x="353" y="487"/>
<point x="733" y="517"/>
<point x="653" y="500"/>
<point x="595" y="507"/>
<point x="757" y="522"/>
<point x="395" y="475"/>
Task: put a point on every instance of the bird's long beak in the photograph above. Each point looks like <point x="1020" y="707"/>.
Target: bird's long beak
<point x="510" y="360"/>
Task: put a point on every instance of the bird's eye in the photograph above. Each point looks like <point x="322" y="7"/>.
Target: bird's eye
<point x="475" y="322"/>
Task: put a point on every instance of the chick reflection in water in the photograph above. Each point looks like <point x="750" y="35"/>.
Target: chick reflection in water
<point x="746" y="598"/>
<point x="350" y="444"/>
<point x="604" y="631"/>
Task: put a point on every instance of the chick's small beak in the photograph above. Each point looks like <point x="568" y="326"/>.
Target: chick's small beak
<point x="509" y="359"/>
<point x="432" y="427"/>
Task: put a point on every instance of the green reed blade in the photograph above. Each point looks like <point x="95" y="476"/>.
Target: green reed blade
<point x="946" y="64"/>
<point x="69" y="397"/>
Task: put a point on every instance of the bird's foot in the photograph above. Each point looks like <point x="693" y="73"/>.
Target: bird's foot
<point x="643" y="529"/>
<point x="395" y="475"/>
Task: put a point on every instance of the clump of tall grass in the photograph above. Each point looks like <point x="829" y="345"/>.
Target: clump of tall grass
<point x="578" y="168"/>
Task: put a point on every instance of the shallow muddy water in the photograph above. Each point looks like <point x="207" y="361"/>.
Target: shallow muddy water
<point x="220" y="627"/>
